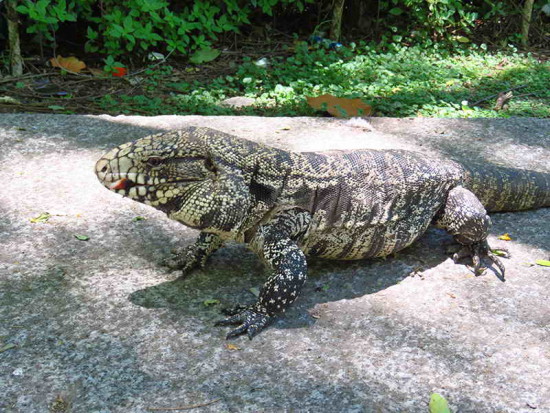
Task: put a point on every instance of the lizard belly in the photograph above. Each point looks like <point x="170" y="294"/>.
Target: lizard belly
<point x="363" y="241"/>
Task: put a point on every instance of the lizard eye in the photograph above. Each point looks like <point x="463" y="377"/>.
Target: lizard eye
<point x="154" y="161"/>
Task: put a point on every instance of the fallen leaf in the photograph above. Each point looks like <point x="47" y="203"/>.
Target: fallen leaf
<point x="155" y="56"/>
<point x="119" y="71"/>
<point x="505" y="237"/>
<point x="43" y="217"/>
<point x="208" y="303"/>
<point x="544" y="263"/>
<point x="139" y="218"/>
<point x="9" y="100"/>
<point x="498" y="252"/>
<point x="96" y="72"/>
<point x="451" y="295"/>
<point x="340" y="107"/>
<point x="232" y="347"/>
<point x="7" y="347"/>
<point x="81" y="237"/>
<point x="438" y="404"/>
<point x="70" y="64"/>
<point x="204" y="55"/>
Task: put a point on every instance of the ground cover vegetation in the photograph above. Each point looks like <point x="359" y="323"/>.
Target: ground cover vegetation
<point x="403" y="57"/>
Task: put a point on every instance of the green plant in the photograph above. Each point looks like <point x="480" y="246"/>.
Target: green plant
<point x="437" y="20"/>
<point x="116" y="28"/>
<point x="401" y="82"/>
<point x="46" y="15"/>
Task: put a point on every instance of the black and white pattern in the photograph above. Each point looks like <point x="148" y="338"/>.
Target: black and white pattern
<point x="286" y="206"/>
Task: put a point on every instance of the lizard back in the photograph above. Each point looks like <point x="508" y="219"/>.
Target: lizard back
<point x="366" y="203"/>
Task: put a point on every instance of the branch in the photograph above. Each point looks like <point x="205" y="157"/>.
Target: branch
<point x="497" y="94"/>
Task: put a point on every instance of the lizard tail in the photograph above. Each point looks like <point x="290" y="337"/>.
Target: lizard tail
<point x="508" y="189"/>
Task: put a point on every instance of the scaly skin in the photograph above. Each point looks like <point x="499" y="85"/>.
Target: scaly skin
<point x="286" y="206"/>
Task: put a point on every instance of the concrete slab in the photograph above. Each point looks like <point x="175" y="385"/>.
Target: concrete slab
<point x="100" y="326"/>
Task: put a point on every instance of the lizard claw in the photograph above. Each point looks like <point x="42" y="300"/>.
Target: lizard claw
<point x="250" y="322"/>
<point x="478" y="251"/>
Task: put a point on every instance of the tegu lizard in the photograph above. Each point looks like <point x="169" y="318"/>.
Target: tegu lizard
<point x="286" y="206"/>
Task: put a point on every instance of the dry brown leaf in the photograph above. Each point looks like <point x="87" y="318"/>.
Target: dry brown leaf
<point x="340" y="107"/>
<point x="71" y="64"/>
<point x="97" y="72"/>
<point x="232" y="347"/>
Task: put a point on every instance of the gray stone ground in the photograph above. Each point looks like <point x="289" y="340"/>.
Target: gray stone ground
<point x="100" y="326"/>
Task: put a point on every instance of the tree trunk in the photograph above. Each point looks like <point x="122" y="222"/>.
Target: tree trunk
<point x="336" y="25"/>
<point x="526" y="21"/>
<point x="16" y="61"/>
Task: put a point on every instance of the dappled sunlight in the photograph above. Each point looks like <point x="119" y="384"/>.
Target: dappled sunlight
<point x="102" y="319"/>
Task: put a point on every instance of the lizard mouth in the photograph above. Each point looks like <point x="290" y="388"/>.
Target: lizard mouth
<point x="125" y="183"/>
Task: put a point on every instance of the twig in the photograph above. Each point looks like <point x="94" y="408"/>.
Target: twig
<point x="18" y="78"/>
<point x="192" y="406"/>
<point x="496" y="95"/>
<point x="527" y="94"/>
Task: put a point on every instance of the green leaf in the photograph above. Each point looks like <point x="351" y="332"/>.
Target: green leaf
<point x="81" y="237"/>
<point x="56" y="107"/>
<point x="396" y="11"/>
<point x="128" y="24"/>
<point x="139" y="218"/>
<point x="43" y="217"/>
<point x="22" y="9"/>
<point x="462" y="39"/>
<point x="92" y="34"/>
<point x="438" y="404"/>
<point x="498" y="252"/>
<point x="7" y="347"/>
<point x="204" y="55"/>
<point x="544" y="263"/>
<point x="211" y="302"/>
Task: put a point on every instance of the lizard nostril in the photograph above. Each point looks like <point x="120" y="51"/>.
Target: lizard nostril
<point x="104" y="169"/>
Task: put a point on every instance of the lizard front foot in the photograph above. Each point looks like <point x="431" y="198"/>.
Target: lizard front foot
<point x="477" y="251"/>
<point x="250" y="322"/>
<point x="183" y="259"/>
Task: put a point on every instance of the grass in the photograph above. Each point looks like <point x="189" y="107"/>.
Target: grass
<point x="400" y="82"/>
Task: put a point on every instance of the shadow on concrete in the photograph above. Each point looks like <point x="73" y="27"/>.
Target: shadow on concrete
<point x="80" y="342"/>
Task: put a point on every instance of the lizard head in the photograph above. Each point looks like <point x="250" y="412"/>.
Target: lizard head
<point x="176" y="173"/>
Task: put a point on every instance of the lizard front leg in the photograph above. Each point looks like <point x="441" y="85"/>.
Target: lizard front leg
<point x="466" y="219"/>
<point x="195" y="255"/>
<point x="275" y="243"/>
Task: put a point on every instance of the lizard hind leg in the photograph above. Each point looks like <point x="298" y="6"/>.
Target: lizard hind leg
<point x="464" y="217"/>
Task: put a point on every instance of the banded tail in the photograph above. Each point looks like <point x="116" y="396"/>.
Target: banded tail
<point x="508" y="189"/>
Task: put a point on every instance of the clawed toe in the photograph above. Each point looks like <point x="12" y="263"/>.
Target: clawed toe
<point x="250" y="322"/>
<point x="478" y="252"/>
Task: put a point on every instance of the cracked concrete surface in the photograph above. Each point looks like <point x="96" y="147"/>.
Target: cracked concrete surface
<point x="101" y="326"/>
